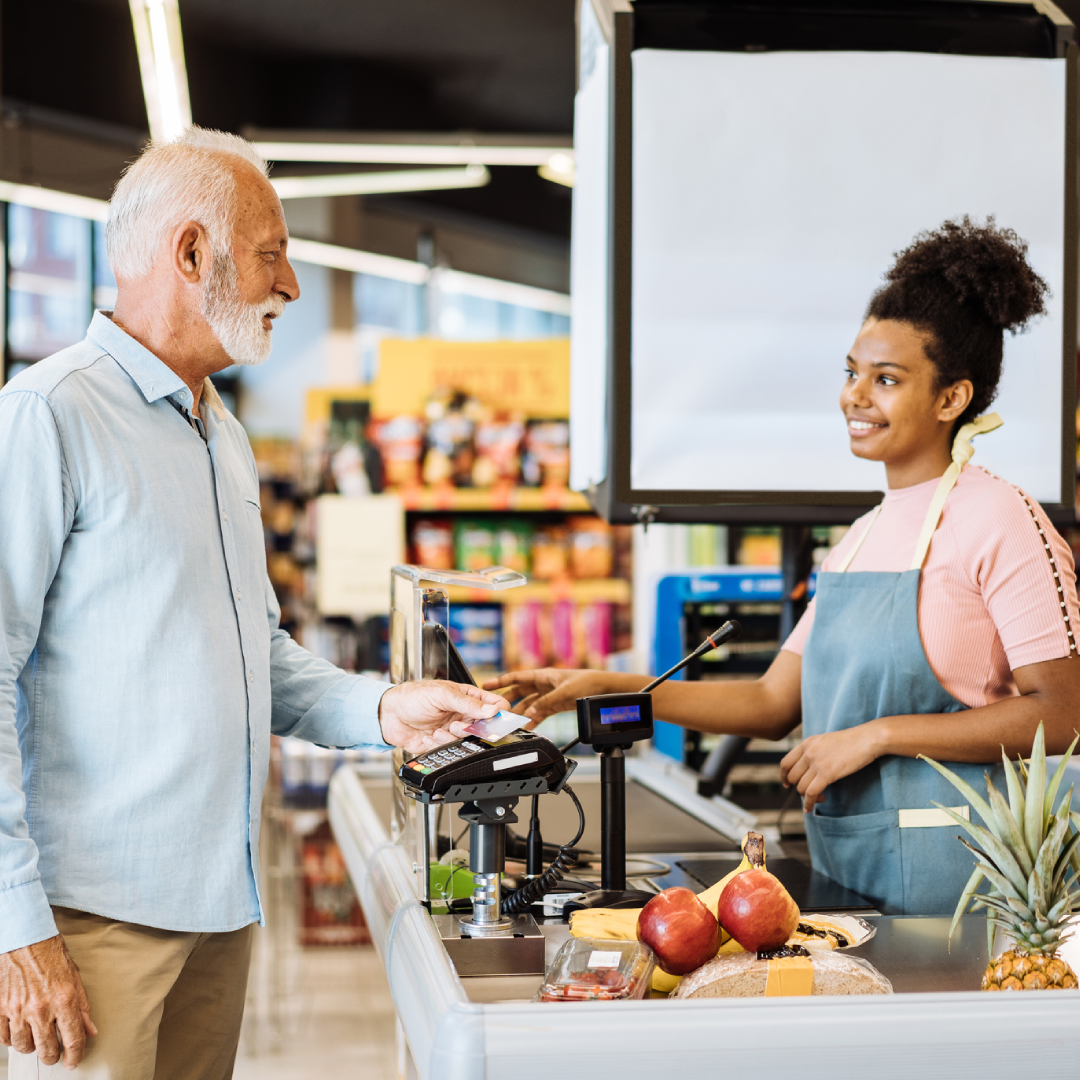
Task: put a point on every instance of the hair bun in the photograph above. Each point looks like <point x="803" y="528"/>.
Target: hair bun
<point x="984" y="266"/>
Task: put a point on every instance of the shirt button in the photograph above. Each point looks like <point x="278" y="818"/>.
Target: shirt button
<point x="237" y="594"/>
<point x="224" y="515"/>
<point x="251" y="675"/>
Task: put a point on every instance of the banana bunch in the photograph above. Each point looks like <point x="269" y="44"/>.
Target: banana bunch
<point x="620" y="924"/>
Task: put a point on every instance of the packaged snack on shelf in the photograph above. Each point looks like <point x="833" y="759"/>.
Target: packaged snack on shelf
<point x="513" y="544"/>
<point x="567" y="638"/>
<point x="498" y="451"/>
<point x="547" y="453"/>
<point x="433" y="544"/>
<point x="474" y="544"/>
<point x="477" y="631"/>
<point x="331" y="913"/>
<point x="591" y="969"/>
<point x="591" y="548"/>
<point x="400" y="442"/>
<point x="450" y="450"/>
<point x="550" y="556"/>
<point x="596" y="632"/>
<point x="524" y="636"/>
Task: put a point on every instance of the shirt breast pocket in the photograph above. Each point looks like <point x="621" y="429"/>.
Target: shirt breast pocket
<point x="250" y="541"/>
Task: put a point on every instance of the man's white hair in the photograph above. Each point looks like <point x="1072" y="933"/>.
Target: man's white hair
<point x="187" y="178"/>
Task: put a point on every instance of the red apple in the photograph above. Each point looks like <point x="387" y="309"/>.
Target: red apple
<point x="680" y="929"/>
<point x="757" y="911"/>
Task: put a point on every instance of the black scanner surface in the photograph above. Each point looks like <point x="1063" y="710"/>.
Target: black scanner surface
<point x="809" y="889"/>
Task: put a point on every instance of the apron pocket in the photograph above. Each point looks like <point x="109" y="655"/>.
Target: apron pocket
<point x="862" y="853"/>
<point x="936" y="867"/>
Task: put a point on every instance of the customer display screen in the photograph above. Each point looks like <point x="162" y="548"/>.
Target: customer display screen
<point x="621" y="714"/>
<point x="771" y="192"/>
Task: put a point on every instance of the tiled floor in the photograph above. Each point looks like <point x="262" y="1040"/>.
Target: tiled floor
<point x="337" y="1022"/>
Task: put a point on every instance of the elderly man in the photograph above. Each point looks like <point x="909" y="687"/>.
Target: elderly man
<point x="142" y="669"/>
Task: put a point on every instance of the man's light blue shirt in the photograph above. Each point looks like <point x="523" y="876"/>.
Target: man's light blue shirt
<point x="142" y="669"/>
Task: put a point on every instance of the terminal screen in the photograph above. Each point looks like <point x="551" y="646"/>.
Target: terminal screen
<point x="621" y="714"/>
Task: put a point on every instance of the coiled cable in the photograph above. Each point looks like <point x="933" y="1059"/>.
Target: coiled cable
<point x="522" y="899"/>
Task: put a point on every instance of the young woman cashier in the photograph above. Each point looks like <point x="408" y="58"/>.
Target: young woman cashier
<point x="944" y="623"/>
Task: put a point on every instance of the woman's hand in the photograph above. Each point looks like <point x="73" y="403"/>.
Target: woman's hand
<point x="543" y="691"/>
<point x="820" y="760"/>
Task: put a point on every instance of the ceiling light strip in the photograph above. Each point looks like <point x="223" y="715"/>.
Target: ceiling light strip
<point x="58" y="202"/>
<point x="359" y="262"/>
<point x="380" y="183"/>
<point x="504" y="292"/>
<point x="410" y="153"/>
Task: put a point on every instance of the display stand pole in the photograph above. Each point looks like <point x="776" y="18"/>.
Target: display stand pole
<point x="613" y="819"/>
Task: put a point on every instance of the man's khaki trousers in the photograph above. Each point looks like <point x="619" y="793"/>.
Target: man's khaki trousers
<point x="167" y="1004"/>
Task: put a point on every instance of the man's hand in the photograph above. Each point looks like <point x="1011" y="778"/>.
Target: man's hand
<point x="544" y="691"/>
<point x="820" y="760"/>
<point x="426" y="713"/>
<point x="41" y="992"/>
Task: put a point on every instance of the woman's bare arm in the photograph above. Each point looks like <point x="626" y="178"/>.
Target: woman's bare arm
<point x="1049" y="693"/>
<point x="766" y="708"/>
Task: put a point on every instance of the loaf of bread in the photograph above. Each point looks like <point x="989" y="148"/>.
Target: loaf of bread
<point x="744" y="975"/>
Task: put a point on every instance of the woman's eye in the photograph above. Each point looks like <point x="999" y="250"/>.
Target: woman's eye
<point x="849" y="374"/>
<point x="888" y="380"/>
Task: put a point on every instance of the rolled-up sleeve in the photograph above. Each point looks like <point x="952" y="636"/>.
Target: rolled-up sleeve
<point x="36" y="511"/>
<point x="311" y="699"/>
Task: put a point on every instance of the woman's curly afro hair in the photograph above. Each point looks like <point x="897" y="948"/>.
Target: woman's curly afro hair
<point x="963" y="285"/>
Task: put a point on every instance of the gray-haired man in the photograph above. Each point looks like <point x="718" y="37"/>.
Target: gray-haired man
<point x="142" y="670"/>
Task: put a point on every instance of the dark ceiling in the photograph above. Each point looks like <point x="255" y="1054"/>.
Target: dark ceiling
<point x="398" y="65"/>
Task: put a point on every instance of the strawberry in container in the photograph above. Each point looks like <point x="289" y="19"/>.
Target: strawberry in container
<point x="598" y="969"/>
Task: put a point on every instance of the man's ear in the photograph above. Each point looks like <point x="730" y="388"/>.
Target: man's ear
<point x="190" y="252"/>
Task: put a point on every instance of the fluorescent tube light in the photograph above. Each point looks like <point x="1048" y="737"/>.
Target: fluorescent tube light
<point x="161" y="64"/>
<point x="559" y="169"/>
<point x="410" y="153"/>
<point x="374" y="183"/>
<point x="359" y="262"/>
<point x="59" y="202"/>
<point x="505" y="292"/>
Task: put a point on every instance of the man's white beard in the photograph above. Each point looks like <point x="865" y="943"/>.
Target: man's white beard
<point x="237" y="325"/>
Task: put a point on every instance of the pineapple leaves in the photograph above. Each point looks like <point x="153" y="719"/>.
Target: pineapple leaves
<point x="997" y="855"/>
<point x="973" y="883"/>
<point x="1008" y="829"/>
<point x="982" y="807"/>
<point x="1034" y="819"/>
<point x="1016" y="791"/>
<point x="1046" y="863"/>
<point x="1064" y="860"/>
<point x="1051" y="790"/>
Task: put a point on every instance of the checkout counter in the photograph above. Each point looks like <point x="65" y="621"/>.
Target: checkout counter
<point x="937" y="1023"/>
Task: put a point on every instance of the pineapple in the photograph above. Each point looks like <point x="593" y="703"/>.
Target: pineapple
<point x="1030" y="860"/>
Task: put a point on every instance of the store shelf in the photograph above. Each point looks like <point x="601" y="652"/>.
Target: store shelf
<point x="512" y="499"/>
<point x="598" y="590"/>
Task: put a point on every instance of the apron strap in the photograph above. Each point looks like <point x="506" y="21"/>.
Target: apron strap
<point x="962" y="452"/>
<point x="846" y="562"/>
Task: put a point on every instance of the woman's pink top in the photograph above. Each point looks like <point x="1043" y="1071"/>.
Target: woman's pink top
<point x="988" y="597"/>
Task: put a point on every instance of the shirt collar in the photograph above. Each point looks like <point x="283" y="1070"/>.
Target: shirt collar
<point x="154" y="378"/>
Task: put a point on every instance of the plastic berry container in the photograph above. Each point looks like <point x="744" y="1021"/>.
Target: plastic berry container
<point x="598" y="969"/>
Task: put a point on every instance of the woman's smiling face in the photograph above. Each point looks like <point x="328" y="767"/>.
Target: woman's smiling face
<point x="895" y="411"/>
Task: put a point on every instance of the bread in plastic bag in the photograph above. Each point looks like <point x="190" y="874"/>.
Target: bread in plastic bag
<point x="801" y="971"/>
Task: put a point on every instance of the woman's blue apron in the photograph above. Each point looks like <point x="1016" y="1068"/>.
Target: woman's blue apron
<point x="877" y="831"/>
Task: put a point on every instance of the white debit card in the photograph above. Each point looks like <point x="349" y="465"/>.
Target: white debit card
<point x="497" y="727"/>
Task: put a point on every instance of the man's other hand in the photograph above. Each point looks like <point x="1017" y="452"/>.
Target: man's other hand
<point x="41" y="993"/>
<point x="429" y="712"/>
